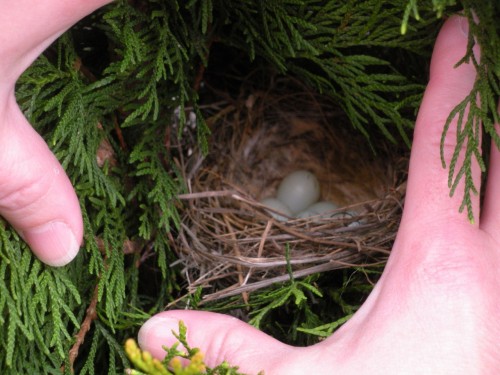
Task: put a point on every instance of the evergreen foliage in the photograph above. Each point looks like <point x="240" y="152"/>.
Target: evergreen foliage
<point x="478" y="111"/>
<point x="134" y="84"/>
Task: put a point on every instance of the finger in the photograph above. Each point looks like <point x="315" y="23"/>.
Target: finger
<point x="27" y="27"/>
<point x="36" y="196"/>
<point x="219" y="337"/>
<point x="428" y="200"/>
<point x="490" y="212"/>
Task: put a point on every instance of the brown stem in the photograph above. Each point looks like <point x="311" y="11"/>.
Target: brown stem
<point x="90" y="316"/>
<point x="119" y="133"/>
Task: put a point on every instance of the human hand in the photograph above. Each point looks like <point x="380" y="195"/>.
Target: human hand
<point x="36" y="196"/>
<point x="435" y="309"/>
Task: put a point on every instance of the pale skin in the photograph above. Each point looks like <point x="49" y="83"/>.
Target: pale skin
<point x="435" y="309"/>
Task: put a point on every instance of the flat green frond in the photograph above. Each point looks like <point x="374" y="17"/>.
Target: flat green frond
<point x="325" y="330"/>
<point x="478" y="111"/>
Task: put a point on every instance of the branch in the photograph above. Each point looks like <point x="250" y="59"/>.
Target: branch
<point x="90" y="316"/>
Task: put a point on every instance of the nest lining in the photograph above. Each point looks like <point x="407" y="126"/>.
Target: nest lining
<point x="229" y="243"/>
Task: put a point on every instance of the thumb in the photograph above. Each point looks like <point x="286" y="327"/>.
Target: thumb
<point x="220" y="338"/>
<point x="36" y="196"/>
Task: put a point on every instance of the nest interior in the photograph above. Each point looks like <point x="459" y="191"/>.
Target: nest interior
<point x="229" y="243"/>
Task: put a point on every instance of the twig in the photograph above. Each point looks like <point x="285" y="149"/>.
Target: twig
<point x="90" y="316"/>
<point x="119" y="133"/>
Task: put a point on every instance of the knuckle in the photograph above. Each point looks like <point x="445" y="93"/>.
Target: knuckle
<point x="451" y="264"/>
<point x="24" y="193"/>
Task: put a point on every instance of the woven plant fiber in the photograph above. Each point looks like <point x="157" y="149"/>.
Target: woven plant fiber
<point x="230" y="244"/>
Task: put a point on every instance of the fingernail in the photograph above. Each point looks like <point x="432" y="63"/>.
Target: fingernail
<point x="53" y="243"/>
<point x="156" y="333"/>
<point x="464" y="25"/>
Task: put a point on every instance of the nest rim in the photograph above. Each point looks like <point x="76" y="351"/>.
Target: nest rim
<point x="224" y="229"/>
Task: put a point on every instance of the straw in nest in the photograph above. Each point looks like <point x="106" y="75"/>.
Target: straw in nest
<point x="230" y="243"/>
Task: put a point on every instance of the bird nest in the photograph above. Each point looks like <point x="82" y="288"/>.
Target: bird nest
<point x="229" y="243"/>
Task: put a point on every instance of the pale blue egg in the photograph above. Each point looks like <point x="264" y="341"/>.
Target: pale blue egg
<point x="299" y="190"/>
<point x="278" y="206"/>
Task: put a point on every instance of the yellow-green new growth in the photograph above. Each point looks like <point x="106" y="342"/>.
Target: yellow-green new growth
<point x="143" y="360"/>
<point x="195" y="367"/>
